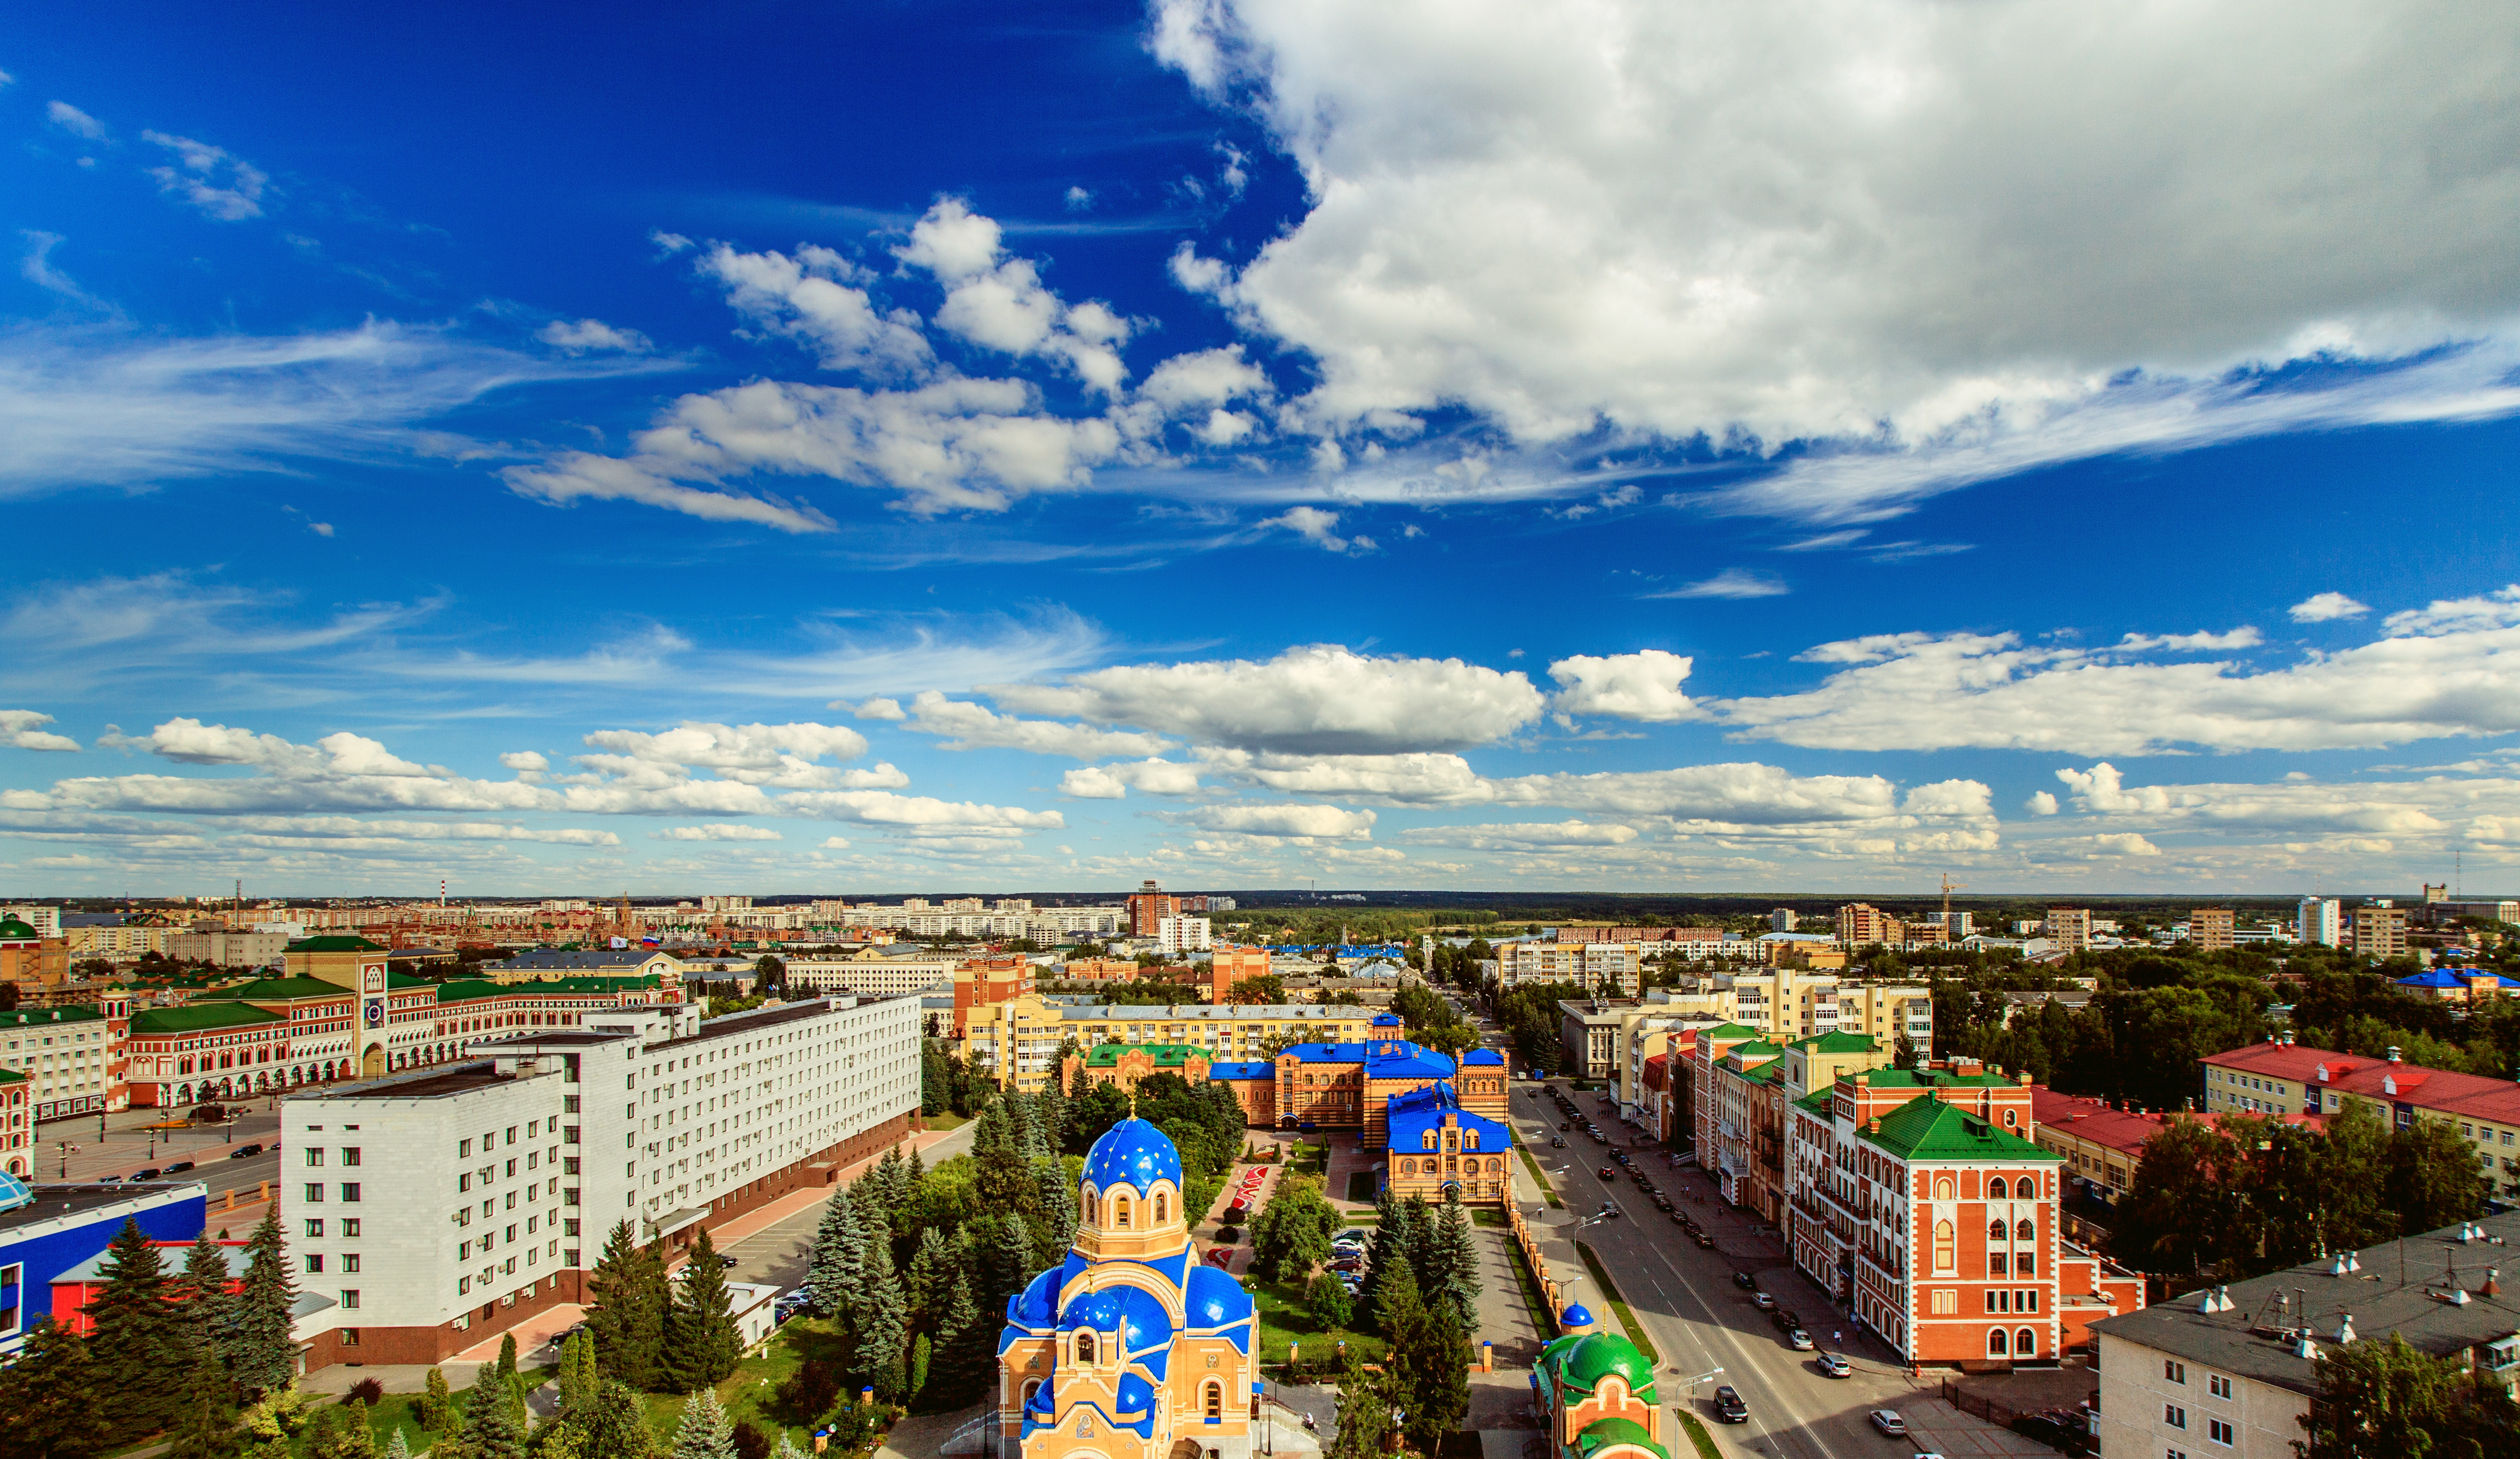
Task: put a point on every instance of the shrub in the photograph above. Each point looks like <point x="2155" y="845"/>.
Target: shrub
<point x="750" y="1441"/>
<point x="208" y="1114"/>
<point x="810" y="1392"/>
<point x="366" y="1390"/>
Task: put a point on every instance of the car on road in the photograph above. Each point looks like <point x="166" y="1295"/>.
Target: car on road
<point x="245" y="1152"/>
<point x="1557" y="1142"/>
<point x="1799" y="1340"/>
<point x="1745" y="1280"/>
<point x="1609" y="1211"/>
<point x="1566" y="1124"/>
<point x="1705" y="1241"/>
<point x="1728" y="1406"/>
<point x="1762" y="1301"/>
<point x="1607" y="1173"/>
<point x="1662" y="1203"/>
<point x="1887" y="1420"/>
<point x="728" y="1261"/>
<point x="1834" y="1365"/>
<point x="1355" y="1236"/>
<point x="151" y="1174"/>
<point x="111" y="1179"/>
<point x="179" y="1168"/>
<point x="1678" y="1219"/>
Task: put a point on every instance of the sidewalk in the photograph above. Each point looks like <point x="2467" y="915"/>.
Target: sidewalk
<point x="128" y="1144"/>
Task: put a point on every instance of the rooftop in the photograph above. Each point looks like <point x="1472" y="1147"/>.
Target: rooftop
<point x="2122" y="1130"/>
<point x="192" y="1017"/>
<point x="52" y="1203"/>
<point x="2402" y="1287"/>
<point x="756" y="1019"/>
<point x="335" y="944"/>
<point x="2376" y="1078"/>
<point x="1932" y="1129"/>
<point x="556" y="959"/>
<point x="28" y="1018"/>
<point x="434" y="1083"/>
<point x="276" y="990"/>
<point x="1104" y="1054"/>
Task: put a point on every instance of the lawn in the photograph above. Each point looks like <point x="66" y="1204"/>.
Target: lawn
<point x="1283" y="1320"/>
<point x="1543" y="1320"/>
<point x="1698" y="1437"/>
<point x="1487" y="1216"/>
<point x="1309" y="1159"/>
<point x="948" y="1120"/>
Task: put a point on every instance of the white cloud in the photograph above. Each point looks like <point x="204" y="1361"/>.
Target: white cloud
<point x="74" y="121"/>
<point x="524" y="760"/>
<point x="378" y="833"/>
<point x="812" y="299"/>
<point x="592" y="334"/>
<point x="1732" y="582"/>
<point x="917" y="813"/>
<point x="2203" y="641"/>
<point x="1204" y="379"/>
<point x="717" y="830"/>
<point x="1865" y="221"/>
<point x="999" y="303"/>
<point x="777" y="756"/>
<point x="1643" y="685"/>
<point x="1321" y="700"/>
<point x="2287" y="807"/>
<point x="1156" y="777"/>
<point x="1319" y="529"/>
<point x="1524" y="834"/>
<point x="216" y="182"/>
<point x="2327" y="608"/>
<point x="971" y="726"/>
<point x="1329" y="822"/>
<point x="2123" y="844"/>
<point x="2444" y="672"/>
<point x="23" y="729"/>
<point x="2040" y="803"/>
<point x="874" y="708"/>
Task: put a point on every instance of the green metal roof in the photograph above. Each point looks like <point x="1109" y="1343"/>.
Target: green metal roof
<point x="1162" y="1053"/>
<point x="14" y="931"/>
<point x="1934" y="1078"/>
<point x="1767" y="1073"/>
<point x="1817" y="1102"/>
<point x="28" y="1018"/>
<point x="1614" y="1433"/>
<point x="1756" y="1049"/>
<point x="277" y="989"/>
<point x="1838" y="1042"/>
<point x="1598" y="1355"/>
<point x="1729" y="1031"/>
<point x="193" y="1017"/>
<point x="1926" y="1129"/>
<point x="466" y="990"/>
<point x="335" y="944"/>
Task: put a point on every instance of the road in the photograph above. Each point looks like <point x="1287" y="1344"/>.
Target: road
<point x="129" y="1145"/>
<point x="1698" y="1319"/>
<point x="780" y="1253"/>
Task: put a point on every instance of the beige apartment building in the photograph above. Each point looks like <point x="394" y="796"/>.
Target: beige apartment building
<point x="2380" y="930"/>
<point x="2068" y="928"/>
<point x="1610" y="968"/>
<point x="2209" y="928"/>
<point x="1017" y="1042"/>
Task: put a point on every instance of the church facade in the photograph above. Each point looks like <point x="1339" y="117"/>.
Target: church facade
<point x="1132" y="1348"/>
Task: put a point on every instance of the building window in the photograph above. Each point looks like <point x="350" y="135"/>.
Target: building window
<point x="2218" y="1384"/>
<point x="314" y="1263"/>
<point x="351" y="1261"/>
<point x="1995" y="1192"/>
<point x="2025" y="1343"/>
<point x="2219" y="1432"/>
<point x="350" y="1335"/>
<point x="349" y="1190"/>
<point x="1995" y="1343"/>
<point x="315" y="1228"/>
<point x="2173" y="1415"/>
<point x="314" y="1154"/>
<point x="1085" y="1347"/>
<point x="2022" y="1230"/>
<point x="349" y="1299"/>
<point x="314" y="1191"/>
<point x="2174" y="1371"/>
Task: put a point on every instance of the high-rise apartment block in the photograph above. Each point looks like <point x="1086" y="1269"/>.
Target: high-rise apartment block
<point x="2321" y="922"/>
<point x="1783" y="919"/>
<point x="1600" y="968"/>
<point x="2069" y="928"/>
<point x="497" y="1178"/>
<point x="1862" y="924"/>
<point x="2380" y="930"/>
<point x="1148" y="907"/>
<point x="1179" y="935"/>
<point x="2209" y="928"/>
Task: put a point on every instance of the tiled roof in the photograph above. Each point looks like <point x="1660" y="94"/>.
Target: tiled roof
<point x="2121" y="1130"/>
<point x="1926" y="1129"/>
<point x="2446" y="1091"/>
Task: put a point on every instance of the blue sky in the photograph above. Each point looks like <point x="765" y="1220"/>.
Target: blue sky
<point x="856" y="448"/>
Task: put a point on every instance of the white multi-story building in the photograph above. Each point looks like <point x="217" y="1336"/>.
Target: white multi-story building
<point x="67" y="1055"/>
<point x="1602" y="968"/>
<point x="878" y="972"/>
<point x="46" y="921"/>
<point x="499" y="1178"/>
<point x="1179" y="935"/>
<point x="2321" y="922"/>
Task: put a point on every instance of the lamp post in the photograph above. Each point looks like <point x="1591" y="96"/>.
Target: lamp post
<point x="67" y="1149"/>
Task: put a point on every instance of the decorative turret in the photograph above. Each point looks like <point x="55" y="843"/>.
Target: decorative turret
<point x="1574" y="1320"/>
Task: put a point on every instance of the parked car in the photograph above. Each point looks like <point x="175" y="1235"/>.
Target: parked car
<point x="1662" y="1203"/>
<point x="1728" y="1406"/>
<point x="1799" y="1340"/>
<point x="109" y="1180"/>
<point x="151" y="1174"/>
<point x="1786" y="1319"/>
<point x="1887" y="1420"/>
<point x="1745" y="1280"/>
<point x="1348" y="1264"/>
<point x="1355" y="1236"/>
<point x="728" y="1261"/>
<point x="1678" y="1219"/>
<point x="242" y="1151"/>
<point x="179" y="1168"/>
<point x="1557" y="1142"/>
<point x="1705" y="1241"/>
<point x="1762" y="1301"/>
<point x="1834" y="1365"/>
<point x="1566" y="1124"/>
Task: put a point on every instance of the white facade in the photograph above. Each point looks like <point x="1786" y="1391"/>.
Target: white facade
<point x="65" y="1053"/>
<point x="2321" y="920"/>
<point x="46" y="921"/>
<point x="877" y="976"/>
<point x="1179" y="935"/>
<point x="485" y="1178"/>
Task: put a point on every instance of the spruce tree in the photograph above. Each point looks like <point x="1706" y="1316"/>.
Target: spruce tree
<point x="1010" y="1264"/>
<point x="1399" y="1312"/>
<point x="970" y="1342"/>
<point x="204" y="1311"/>
<point x="204" y="1428"/>
<point x="833" y="1270"/>
<point x="1058" y="1204"/>
<point x="705" y="1433"/>
<point x="882" y="1357"/>
<point x="489" y="1429"/>
<point x="397" y="1447"/>
<point x="434" y="1405"/>
<point x="921" y="1354"/>
<point x="261" y="1355"/>
<point x="137" y="1344"/>
<point x="1420" y="1226"/>
<point x="1389" y="1253"/>
<point x="627" y="1328"/>
<point x="920" y="1282"/>
<point x="348" y="1436"/>
<point x="701" y="1344"/>
<point x="50" y="1397"/>
<point x="1456" y="1256"/>
<point x="1434" y="1366"/>
<point x="506" y="1363"/>
<point x="614" y="1425"/>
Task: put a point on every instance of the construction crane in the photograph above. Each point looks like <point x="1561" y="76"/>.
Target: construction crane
<point x="1949" y="886"/>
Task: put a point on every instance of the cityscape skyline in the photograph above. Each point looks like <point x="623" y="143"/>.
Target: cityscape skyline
<point x="1134" y="448"/>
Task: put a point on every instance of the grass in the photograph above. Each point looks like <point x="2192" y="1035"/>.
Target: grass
<point x="1487" y="1216"/>
<point x="1283" y="1321"/>
<point x="1698" y="1437"/>
<point x="1362" y="1186"/>
<point x="948" y="1120"/>
<point x="1310" y="1160"/>
<point x="1542" y="1321"/>
<point x="1542" y="1177"/>
<point x="1618" y="1304"/>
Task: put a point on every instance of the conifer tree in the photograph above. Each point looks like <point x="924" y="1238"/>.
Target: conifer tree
<point x="917" y="1172"/>
<point x="833" y="1270"/>
<point x="434" y="1405"/>
<point x="614" y="1425"/>
<point x="1422" y="1237"/>
<point x="1389" y="1253"/>
<point x="397" y="1447"/>
<point x="1058" y="1204"/>
<point x="350" y="1435"/>
<point x="261" y="1355"/>
<point x="1456" y="1256"/>
<point x="506" y="1363"/>
<point x="1434" y="1366"/>
<point x="786" y="1448"/>
<point x="1011" y="1264"/>
<point x="701" y="1344"/>
<point x="625" y="1321"/>
<point x="1399" y="1312"/>
<point x="137" y="1343"/>
<point x="204" y="1312"/>
<point x="922" y="1280"/>
<point x="922" y="1352"/>
<point x="489" y="1429"/>
<point x="883" y="1327"/>
<point x="705" y="1433"/>
<point x="894" y="1174"/>
<point x="969" y="1344"/>
<point x="204" y="1428"/>
<point x="50" y="1398"/>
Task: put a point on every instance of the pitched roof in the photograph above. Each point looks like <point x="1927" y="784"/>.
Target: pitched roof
<point x="1411" y="1115"/>
<point x="2440" y="1089"/>
<point x="193" y="1017"/>
<point x="2121" y="1130"/>
<point x="276" y="990"/>
<point x="27" y="1017"/>
<point x="1246" y="1068"/>
<point x="335" y="944"/>
<point x="1838" y="1042"/>
<point x="1933" y="1078"/>
<point x="1932" y="1129"/>
<point x="1104" y="1054"/>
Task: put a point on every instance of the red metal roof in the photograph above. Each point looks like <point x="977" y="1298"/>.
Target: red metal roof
<point x="2448" y="1091"/>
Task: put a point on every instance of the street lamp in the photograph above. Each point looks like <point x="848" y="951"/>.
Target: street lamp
<point x="67" y="1149"/>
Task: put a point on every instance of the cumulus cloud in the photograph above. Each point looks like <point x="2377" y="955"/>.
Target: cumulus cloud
<point x="999" y="303"/>
<point x="2327" y="608"/>
<point x="524" y="760"/>
<point x="1320" y="699"/>
<point x="216" y="182"/>
<point x="1732" y="582"/>
<point x="1322" y="822"/>
<point x="780" y="755"/>
<point x="2203" y="641"/>
<point x="1524" y="834"/>
<point x="1319" y="529"/>
<point x="717" y="830"/>
<point x="2040" y="803"/>
<point x="813" y="298"/>
<point x="874" y="708"/>
<point x="2289" y="806"/>
<point x="971" y="726"/>
<point x="1940" y="233"/>
<point x="2122" y="844"/>
<point x="2443" y="672"/>
<point x="23" y="729"/>
<point x="592" y="334"/>
<point x="1156" y="777"/>
<point x="1644" y="686"/>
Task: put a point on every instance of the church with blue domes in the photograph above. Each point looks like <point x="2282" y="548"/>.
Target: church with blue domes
<point x="1132" y="1348"/>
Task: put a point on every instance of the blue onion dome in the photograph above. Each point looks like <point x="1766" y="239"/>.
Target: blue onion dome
<point x="1574" y="1316"/>
<point x="1133" y="1312"/>
<point x="1037" y="1304"/>
<point x="1135" y="1154"/>
<point x="1214" y="1300"/>
<point x="1135" y="1395"/>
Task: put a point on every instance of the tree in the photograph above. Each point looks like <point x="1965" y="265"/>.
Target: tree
<point x="882" y="1358"/>
<point x="1904" y="1052"/>
<point x="397" y="1447"/>
<point x="2383" y="1398"/>
<point x="2432" y="1178"/>
<point x="1057" y="1202"/>
<point x="1266" y="988"/>
<point x="971" y="1345"/>
<point x="136" y="1342"/>
<point x="701" y="1344"/>
<point x="627" y="1319"/>
<point x="1389" y="1253"/>
<point x="435" y="1408"/>
<point x="1291" y="1235"/>
<point x="489" y="1429"/>
<point x="921" y="1354"/>
<point x="1327" y="1302"/>
<point x="577" y="1372"/>
<point x="204" y="1428"/>
<point x="614" y="1425"/>
<point x="504" y="1366"/>
<point x="1433" y="1366"/>
<point x="705" y="1431"/>
<point x="203" y="1310"/>
<point x="1364" y="1422"/>
<point x="834" y="1270"/>
<point x="341" y="1432"/>
<point x="1455" y="1254"/>
<point x="50" y="1395"/>
<point x="2180" y="1213"/>
<point x="261" y="1355"/>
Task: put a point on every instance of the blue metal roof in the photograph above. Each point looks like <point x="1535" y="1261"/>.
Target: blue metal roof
<point x="1243" y="1069"/>
<point x="1411" y="1115"/>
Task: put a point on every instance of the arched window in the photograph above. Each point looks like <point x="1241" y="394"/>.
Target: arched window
<point x="1215" y="1402"/>
<point x="1944" y="1188"/>
<point x="1120" y="1213"/>
<point x="1994" y="1230"/>
<point x="1496" y="1167"/>
<point x="2025" y="1343"/>
<point x="1946" y="1247"/>
<point x="2022" y="1230"/>
<point x="1428" y="1141"/>
<point x="1408" y="1167"/>
<point x="1995" y="1343"/>
<point x="1160" y="1209"/>
<point x="1085" y="1347"/>
<point x="1995" y="1189"/>
<point x="1031" y="1386"/>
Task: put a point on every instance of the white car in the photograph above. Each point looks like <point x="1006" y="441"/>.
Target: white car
<point x="1887" y="1420"/>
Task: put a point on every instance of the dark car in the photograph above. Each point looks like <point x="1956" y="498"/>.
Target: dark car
<point x="151" y="1174"/>
<point x="1557" y="1142"/>
<point x="245" y="1152"/>
<point x="728" y="1261"/>
<point x="1566" y="1125"/>
<point x="1706" y="1241"/>
<point x="1609" y="1175"/>
<point x="1677" y="1219"/>
<point x="1784" y="1319"/>
<point x="1662" y="1203"/>
<point x="1728" y="1406"/>
<point x="179" y="1168"/>
<point x="1745" y="1280"/>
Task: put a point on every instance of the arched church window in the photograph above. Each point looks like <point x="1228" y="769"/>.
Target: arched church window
<point x="1995" y="1189"/>
<point x="1085" y="1347"/>
<point x="1160" y="1209"/>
